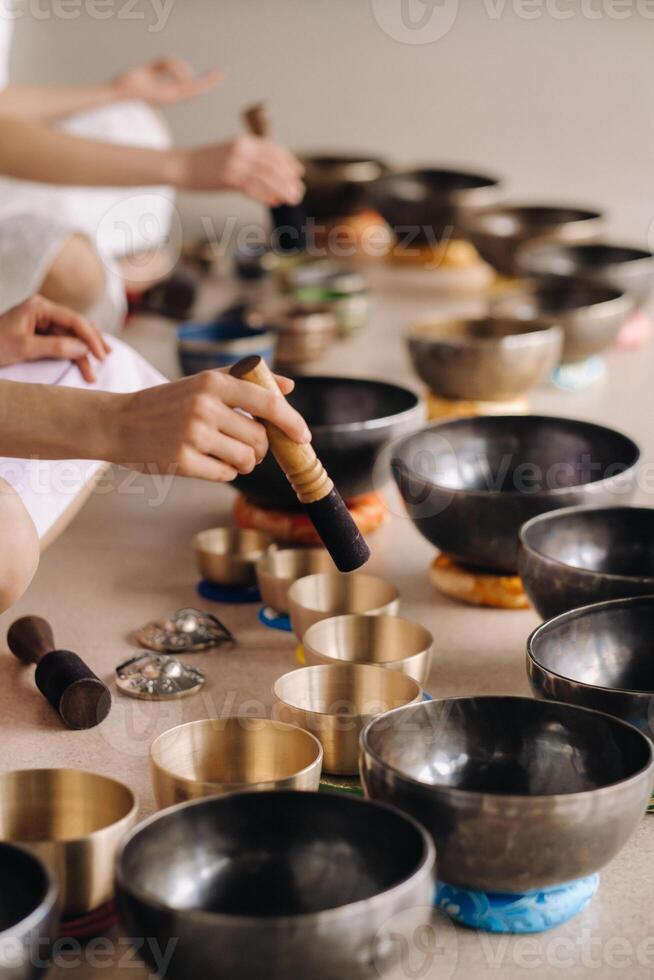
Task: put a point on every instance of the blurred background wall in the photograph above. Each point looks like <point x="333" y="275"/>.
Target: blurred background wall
<point x="554" y="94"/>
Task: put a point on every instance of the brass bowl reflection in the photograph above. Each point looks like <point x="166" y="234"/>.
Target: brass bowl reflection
<point x="280" y="567"/>
<point x="386" y="641"/>
<point x="74" y="821"/>
<point x="317" y="597"/>
<point x="223" y="755"/>
<point x="228" y="555"/>
<point x="336" y="701"/>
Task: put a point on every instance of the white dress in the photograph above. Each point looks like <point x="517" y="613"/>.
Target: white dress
<point x="36" y="219"/>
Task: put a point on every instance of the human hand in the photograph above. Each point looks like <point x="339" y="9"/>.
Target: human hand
<point x="255" y="166"/>
<point x="38" y="329"/>
<point x="191" y="427"/>
<point x="165" y="82"/>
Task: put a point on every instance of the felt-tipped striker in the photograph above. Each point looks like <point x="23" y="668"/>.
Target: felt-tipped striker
<point x="312" y="485"/>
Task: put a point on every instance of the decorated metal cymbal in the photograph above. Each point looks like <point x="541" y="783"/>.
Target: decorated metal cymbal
<point x="154" y="677"/>
<point x="185" y="631"/>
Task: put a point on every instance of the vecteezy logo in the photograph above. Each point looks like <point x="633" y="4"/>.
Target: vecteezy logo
<point x="415" y="21"/>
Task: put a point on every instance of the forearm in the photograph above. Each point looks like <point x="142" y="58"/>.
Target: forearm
<point x="32" y="151"/>
<point x="46" y="103"/>
<point x="47" y="422"/>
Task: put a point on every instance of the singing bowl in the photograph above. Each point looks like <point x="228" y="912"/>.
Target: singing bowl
<point x="228" y="555"/>
<point x="485" y="359"/>
<point x="627" y="269"/>
<point x="468" y="485"/>
<point x="28" y="914"/>
<point x="518" y="794"/>
<point x="498" y="232"/>
<point x="432" y="202"/>
<point x="317" y="597"/>
<point x="304" y="332"/>
<point x="74" y="821"/>
<point x="280" y="567"/>
<point x="600" y="657"/>
<point x="351" y="420"/>
<point x="589" y="313"/>
<point x="386" y="641"/>
<point x="335" y="701"/>
<point x="225" y="755"/>
<point x="579" y="555"/>
<point x="221" y="343"/>
<point x="338" y="185"/>
<point x="279" y="885"/>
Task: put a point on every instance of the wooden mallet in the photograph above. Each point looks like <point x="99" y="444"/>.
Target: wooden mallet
<point x="313" y="487"/>
<point x="81" y="698"/>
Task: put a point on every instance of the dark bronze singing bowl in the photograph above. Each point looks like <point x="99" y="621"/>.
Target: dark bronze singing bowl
<point x="28" y="914"/>
<point x="589" y="313"/>
<point x="291" y="885"/>
<point x="498" y="232"/>
<point x="351" y="420"/>
<point x="599" y="657"/>
<point x="627" y="269"/>
<point x="431" y="204"/>
<point x="468" y="485"/>
<point x="580" y="555"/>
<point x="338" y="184"/>
<point x="487" y="359"/>
<point x="518" y="793"/>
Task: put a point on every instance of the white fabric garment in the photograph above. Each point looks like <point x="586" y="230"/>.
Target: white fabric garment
<point x="49" y="487"/>
<point x="36" y="219"/>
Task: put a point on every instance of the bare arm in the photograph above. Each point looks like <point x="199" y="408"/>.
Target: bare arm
<point x="47" y="103"/>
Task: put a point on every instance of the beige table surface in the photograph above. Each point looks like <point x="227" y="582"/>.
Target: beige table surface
<point x="127" y="559"/>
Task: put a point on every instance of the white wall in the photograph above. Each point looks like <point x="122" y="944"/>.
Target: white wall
<point x="562" y="107"/>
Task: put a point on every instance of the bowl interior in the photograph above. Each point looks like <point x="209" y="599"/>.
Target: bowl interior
<point x="25" y="885"/>
<point x="246" y="544"/>
<point x="332" y="592"/>
<point x="59" y="804"/>
<point x="368" y="639"/>
<point x="327" y="402"/>
<point x="346" y="689"/>
<point x="478" y="332"/>
<point x="504" y="745"/>
<point x="272" y="854"/>
<point x="235" y="751"/>
<point x="514" y="454"/>
<point x="509" y="221"/>
<point x="551" y="258"/>
<point x="607" y="645"/>
<point x="614" y="541"/>
<point x="556" y="295"/>
<point x="420" y="185"/>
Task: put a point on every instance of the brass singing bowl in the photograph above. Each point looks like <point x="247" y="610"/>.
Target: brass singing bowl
<point x="224" y="755"/>
<point x="385" y="641"/>
<point x="317" y="597"/>
<point x="228" y="555"/>
<point x="74" y="821"/>
<point x="280" y="567"/>
<point x="336" y="701"/>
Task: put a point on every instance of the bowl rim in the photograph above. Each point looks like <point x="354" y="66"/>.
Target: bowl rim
<point x="638" y="253"/>
<point x="530" y="549"/>
<point x="251" y="557"/>
<point x="425" y="865"/>
<point x="585" y="216"/>
<point x="343" y="575"/>
<point x="233" y="787"/>
<point x="607" y="298"/>
<point x="264" y="563"/>
<point x="580" y="613"/>
<point x="529" y="332"/>
<point x="373" y="621"/>
<point x="527" y="799"/>
<point x="126" y="819"/>
<point x="519" y="419"/>
<point x="343" y="665"/>
<point x="487" y="181"/>
<point x="48" y="900"/>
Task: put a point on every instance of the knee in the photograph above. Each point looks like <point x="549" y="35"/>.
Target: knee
<point x="20" y="547"/>
<point x="77" y="276"/>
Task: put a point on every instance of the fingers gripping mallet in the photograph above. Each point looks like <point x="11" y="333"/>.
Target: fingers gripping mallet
<point x="313" y="487"/>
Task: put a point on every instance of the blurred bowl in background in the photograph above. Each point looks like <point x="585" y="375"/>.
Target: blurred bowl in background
<point x="228" y="555"/>
<point x="485" y="359"/>
<point x="218" y="344"/>
<point x="337" y="185"/>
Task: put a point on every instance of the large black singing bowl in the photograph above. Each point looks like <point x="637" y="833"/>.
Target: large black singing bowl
<point x="518" y="794"/>
<point x="351" y="419"/>
<point x="582" y="555"/>
<point x="470" y="484"/>
<point x="276" y="886"/>
<point x="599" y="657"/>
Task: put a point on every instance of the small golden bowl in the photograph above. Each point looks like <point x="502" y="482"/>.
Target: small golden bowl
<point x="318" y="597"/>
<point x="386" y="641"/>
<point x="74" y="821"/>
<point x="336" y="701"/>
<point x="228" y="555"/>
<point x="280" y="567"/>
<point x="224" y="755"/>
